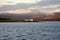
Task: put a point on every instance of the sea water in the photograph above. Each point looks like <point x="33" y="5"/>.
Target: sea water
<point x="48" y="30"/>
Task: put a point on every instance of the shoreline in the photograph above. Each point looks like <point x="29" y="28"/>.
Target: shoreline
<point x="24" y="21"/>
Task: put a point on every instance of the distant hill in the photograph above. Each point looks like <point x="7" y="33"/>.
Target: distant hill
<point x="4" y="19"/>
<point x="21" y="16"/>
<point x="57" y="13"/>
<point x="37" y="16"/>
<point x="55" y="16"/>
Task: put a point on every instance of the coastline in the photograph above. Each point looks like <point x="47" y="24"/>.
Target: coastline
<point x="24" y="21"/>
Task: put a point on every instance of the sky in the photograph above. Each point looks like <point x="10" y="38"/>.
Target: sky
<point x="21" y="1"/>
<point x="18" y="6"/>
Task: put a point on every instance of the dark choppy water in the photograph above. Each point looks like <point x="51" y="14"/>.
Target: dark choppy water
<point x="30" y="31"/>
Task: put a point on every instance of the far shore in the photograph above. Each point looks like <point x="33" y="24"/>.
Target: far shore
<point x="16" y="21"/>
<point x="24" y="21"/>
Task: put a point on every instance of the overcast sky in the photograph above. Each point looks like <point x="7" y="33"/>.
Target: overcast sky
<point x="18" y="6"/>
<point x="20" y="1"/>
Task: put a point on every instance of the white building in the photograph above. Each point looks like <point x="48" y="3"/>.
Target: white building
<point x="29" y="20"/>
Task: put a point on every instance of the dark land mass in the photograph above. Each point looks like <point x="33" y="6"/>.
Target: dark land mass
<point x="36" y="16"/>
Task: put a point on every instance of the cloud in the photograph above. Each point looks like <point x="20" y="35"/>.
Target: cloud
<point x="0" y="5"/>
<point x="14" y="7"/>
<point x="18" y="11"/>
<point x="43" y="6"/>
<point x="57" y="10"/>
<point x="20" y="1"/>
<point x="48" y="2"/>
<point x="46" y="9"/>
<point x="7" y="3"/>
<point x="51" y="8"/>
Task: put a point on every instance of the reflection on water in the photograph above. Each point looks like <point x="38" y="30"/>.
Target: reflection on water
<point x="30" y="31"/>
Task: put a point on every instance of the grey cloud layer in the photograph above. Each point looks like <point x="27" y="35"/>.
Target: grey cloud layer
<point x="17" y="6"/>
<point x="25" y="6"/>
<point x="48" y="2"/>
